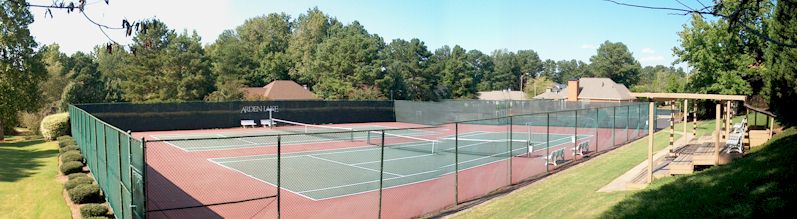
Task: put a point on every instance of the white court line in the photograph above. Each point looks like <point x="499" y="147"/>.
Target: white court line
<point x="264" y="181"/>
<point x="301" y="193"/>
<point x="359" y="167"/>
<point x="406" y="184"/>
<point x="169" y="143"/>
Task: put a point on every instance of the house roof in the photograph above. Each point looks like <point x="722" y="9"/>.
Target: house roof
<point x="502" y="95"/>
<point x="602" y="89"/>
<point x="552" y="95"/>
<point x="279" y="90"/>
<point x="590" y="89"/>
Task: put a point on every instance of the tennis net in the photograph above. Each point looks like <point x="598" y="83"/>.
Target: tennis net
<point x="486" y="147"/>
<point x="403" y="142"/>
<point x="324" y="131"/>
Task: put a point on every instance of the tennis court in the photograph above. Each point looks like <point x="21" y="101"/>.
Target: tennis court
<point x="320" y="175"/>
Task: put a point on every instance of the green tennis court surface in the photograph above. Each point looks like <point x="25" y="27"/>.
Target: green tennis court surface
<point x="328" y="174"/>
<point x="237" y="140"/>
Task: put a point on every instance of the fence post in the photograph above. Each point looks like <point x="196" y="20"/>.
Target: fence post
<point x="547" y="140"/>
<point x="279" y="176"/>
<point x="456" y="163"/>
<point x="614" y="126"/>
<point x="119" y="152"/>
<point x="627" y="120"/>
<point x="381" y="171"/>
<point x="510" y="149"/>
<point x="575" y="135"/>
<point x="144" y="174"/>
<point x="597" y="127"/>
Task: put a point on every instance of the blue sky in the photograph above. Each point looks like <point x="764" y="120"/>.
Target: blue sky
<point x="566" y="29"/>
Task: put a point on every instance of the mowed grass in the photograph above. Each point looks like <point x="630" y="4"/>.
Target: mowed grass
<point x="572" y="193"/>
<point x="760" y="185"/>
<point x="28" y="188"/>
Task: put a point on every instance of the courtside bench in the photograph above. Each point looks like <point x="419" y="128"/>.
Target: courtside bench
<point x="555" y="156"/>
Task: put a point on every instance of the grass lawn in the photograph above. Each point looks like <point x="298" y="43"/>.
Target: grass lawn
<point x="28" y="188"/>
<point x="760" y="185"/>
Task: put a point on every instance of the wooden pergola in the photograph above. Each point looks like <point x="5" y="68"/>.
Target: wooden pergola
<point x="726" y="99"/>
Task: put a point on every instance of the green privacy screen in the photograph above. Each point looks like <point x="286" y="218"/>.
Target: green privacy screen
<point x="115" y="159"/>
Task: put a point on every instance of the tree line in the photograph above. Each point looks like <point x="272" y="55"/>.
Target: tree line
<point x="335" y="60"/>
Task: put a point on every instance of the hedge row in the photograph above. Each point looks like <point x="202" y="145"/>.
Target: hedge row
<point x="93" y="210"/>
<point x="80" y="186"/>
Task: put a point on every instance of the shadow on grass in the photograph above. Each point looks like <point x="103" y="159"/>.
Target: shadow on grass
<point x="759" y="185"/>
<point x="18" y="160"/>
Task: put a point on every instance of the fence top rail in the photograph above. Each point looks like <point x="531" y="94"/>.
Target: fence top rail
<point x="692" y="96"/>
<point x="103" y="122"/>
<point x="551" y="111"/>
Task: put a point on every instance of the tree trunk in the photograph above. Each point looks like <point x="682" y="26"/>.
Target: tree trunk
<point x="2" y="131"/>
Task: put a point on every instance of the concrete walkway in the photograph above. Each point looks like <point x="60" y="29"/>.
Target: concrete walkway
<point x="626" y="181"/>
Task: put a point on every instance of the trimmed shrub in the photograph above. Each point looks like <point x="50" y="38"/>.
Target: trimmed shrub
<point x="85" y="193"/>
<point x="72" y="183"/>
<point x="55" y="125"/>
<point x="93" y="210"/>
<point x="71" y="167"/>
<point x="76" y="175"/>
<point x="69" y="148"/>
<point x="66" y="142"/>
<point x="71" y="156"/>
<point x="64" y="138"/>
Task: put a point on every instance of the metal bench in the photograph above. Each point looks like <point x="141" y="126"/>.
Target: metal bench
<point x="248" y="122"/>
<point x="555" y="156"/>
<point x="266" y="122"/>
<point x="734" y="142"/>
<point x="581" y="149"/>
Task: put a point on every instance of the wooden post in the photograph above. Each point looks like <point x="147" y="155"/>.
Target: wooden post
<point x="771" y="125"/>
<point x="651" y="127"/>
<point x="717" y="135"/>
<point x="672" y="125"/>
<point x="727" y="120"/>
<point x="694" y="120"/>
<point x="686" y="120"/>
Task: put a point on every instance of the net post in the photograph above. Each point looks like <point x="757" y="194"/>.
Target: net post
<point x="456" y="163"/>
<point x="279" y="176"/>
<point x="381" y="171"/>
<point x="547" y="140"/>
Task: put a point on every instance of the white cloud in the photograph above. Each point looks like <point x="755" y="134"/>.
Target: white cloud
<point x="588" y="46"/>
<point x="649" y="59"/>
<point x="648" y="50"/>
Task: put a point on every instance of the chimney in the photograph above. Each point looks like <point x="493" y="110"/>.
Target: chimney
<point x="572" y="90"/>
